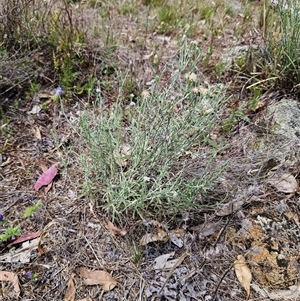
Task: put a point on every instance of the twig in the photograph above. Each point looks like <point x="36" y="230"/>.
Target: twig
<point x="217" y="288"/>
<point x="177" y="263"/>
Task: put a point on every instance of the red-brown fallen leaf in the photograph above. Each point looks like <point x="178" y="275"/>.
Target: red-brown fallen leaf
<point x="112" y="228"/>
<point x="47" y="177"/>
<point x="23" y="238"/>
<point x="97" y="277"/>
<point x="13" y="278"/>
<point x="70" y="293"/>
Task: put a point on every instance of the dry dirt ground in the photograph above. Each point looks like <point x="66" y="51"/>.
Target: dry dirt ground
<point x="258" y="223"/>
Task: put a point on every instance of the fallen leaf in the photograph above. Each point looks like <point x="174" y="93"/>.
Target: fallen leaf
<point x="243" y="273"/>
<point x="37" y="133"/>
<point x="47" y="177"/>
<point x="293" y="293"/>
<point x="161" y="261"/>
<point x="285" y="182"/>
<point x="40" y="249"/>
<point x="122" y="155"/>
<point x="48" y="188"/>
<point x="23" y="238"/>
<point x="206" y="229"/>
<point x="161" y="235"/>
<point x="35" y="109"/>
<point x="177" y="241"/>
<point x="178" y="232"/>
<point x="13" y="278"/>
<point x="21" y="254"/>
<point x="112" y="228"/>
<point x="42" y="165"/>
<point x="97" y="277"/>
<point x="70" y="293"/>
<point x="229" y="208"/>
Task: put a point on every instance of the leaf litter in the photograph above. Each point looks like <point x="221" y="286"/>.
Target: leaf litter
<point x="102" y="278"/>
<point x="69" y="218"/>
<point x="243" y="273"/>
<point x="112" y="228"/>
<point x="13" y="278"/>
<point x="70" y="293"/>
<point x="47" y="177"/>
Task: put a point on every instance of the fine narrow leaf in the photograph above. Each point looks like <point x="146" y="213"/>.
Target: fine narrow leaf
<point x="243" y="273"/>
<point x="112" y="228"/>
<point x="97" y="277"/>
<point x="47" y="177"/>
<point x="13" y="278"/>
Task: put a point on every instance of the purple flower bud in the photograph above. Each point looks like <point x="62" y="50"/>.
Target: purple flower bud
<point x="1" y="217"/>
<point x="28" y="274"/>
<point x="59" y="91"/>
<point x="31" y="198"/>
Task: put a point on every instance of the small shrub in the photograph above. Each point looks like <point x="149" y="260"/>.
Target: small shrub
<point x="134" y="156"/>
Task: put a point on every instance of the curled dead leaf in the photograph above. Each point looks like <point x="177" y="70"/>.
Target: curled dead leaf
<point x="243" y="273"/>
<point x="13" y="278"/>
<point x="293" y="293"/>
<point x="97" y="277"/>
<point x="285" y="182"/>
<point x="161" y="235"/>
<point x="112" y="228"/>
<point x="37" y="133"/>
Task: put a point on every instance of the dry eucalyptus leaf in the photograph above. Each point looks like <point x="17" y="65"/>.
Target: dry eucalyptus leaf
<point x="21" y="254"/>
<point x="161" y="261"/>
<point x="35" y="110"/>
<point x="285" y="182"/>
<point x="229" y="208"/>
<point x="97" y="277"/>
<point x="208" y="229"/>
<point x="47" y="177"/>
<point x="70" y="293"/>
<point x="37" y="133"/>
<point x="13" y="278"/>
<point x="161" y="235"/>
<point x="176" y="240"/>
<point x="293" y="293"/>
<point x="243" y="273"/>
<point x="112" y="228"/>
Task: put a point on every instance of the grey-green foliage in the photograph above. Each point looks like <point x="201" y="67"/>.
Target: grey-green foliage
<point x="283" y="41"/>
<point x="133" y="156"/>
